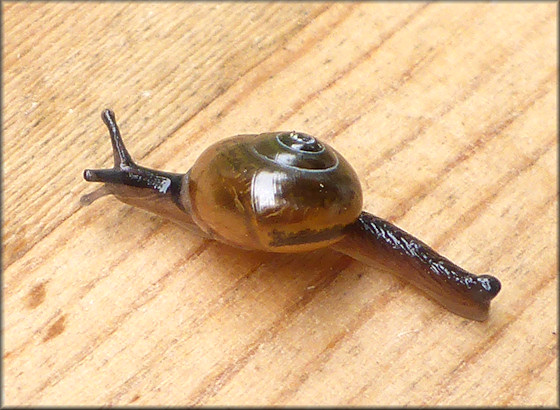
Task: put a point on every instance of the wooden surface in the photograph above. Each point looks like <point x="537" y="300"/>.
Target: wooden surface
<point x="447" y="112"/>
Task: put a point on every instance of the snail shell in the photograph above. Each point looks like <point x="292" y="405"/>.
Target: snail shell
<point x="280" y="192"/>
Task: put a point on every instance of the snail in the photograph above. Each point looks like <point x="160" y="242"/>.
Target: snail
<point x="287" y="192"/>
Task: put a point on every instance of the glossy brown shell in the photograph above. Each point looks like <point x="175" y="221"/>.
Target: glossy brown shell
<point x="280" y="192"/>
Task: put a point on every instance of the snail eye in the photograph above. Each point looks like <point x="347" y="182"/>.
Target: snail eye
<point x="299" y="141"/>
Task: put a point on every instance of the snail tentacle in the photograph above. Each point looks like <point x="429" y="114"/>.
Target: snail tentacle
<point x="125" y="170"/>
<point x="153" y="190"/>
<point x="120" y="154"/>
<point x="123" y="163"/>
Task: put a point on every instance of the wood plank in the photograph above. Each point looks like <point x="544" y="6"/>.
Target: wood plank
<point x="448" y="112"/>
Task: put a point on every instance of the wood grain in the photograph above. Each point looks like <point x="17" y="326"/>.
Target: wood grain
<point x="447" y="112"/>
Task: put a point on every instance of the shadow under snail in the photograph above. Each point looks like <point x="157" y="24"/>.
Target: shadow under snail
<point x="287" y="192"/>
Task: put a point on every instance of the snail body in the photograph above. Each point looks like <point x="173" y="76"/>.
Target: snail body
<point x="287" y="192"/>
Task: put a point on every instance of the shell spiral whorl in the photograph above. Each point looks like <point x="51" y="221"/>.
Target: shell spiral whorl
<point x="296" y="150"/>
<point x="298" y="141"/>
